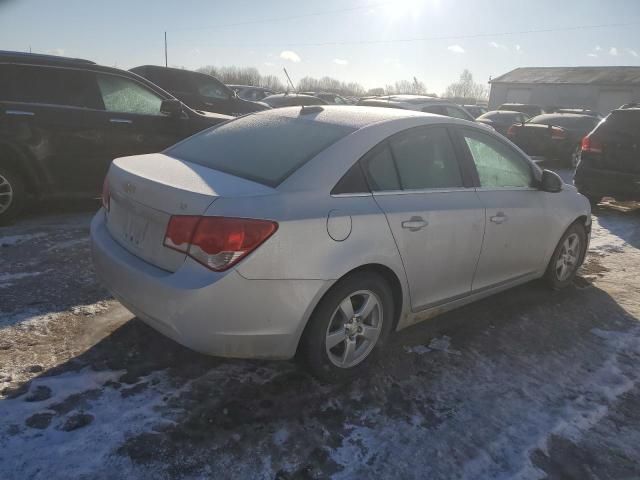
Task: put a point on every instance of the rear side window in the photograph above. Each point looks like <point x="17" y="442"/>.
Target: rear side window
<point x="265" y="149"/>
<point x="123" y="95"/>
<point x="437" y="109"/>
<point x="457" y="113"/>
<point x="210" y="87"/>
<point x="421" y="159"/>
<point x="55" y="86"/>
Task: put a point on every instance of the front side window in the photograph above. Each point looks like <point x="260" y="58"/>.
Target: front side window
<point x="422" y="159"/>
<point x="126" y="96"/>
<point x="498" y="165"/>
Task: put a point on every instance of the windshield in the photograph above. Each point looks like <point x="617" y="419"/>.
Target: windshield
<point x="263" y="149"/>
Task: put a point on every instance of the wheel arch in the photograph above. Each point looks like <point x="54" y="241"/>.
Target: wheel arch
<point x="386" y="273"/>
<point x="11" y="157"/>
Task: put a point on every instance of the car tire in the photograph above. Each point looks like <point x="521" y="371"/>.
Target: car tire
<point x="336" y="348"/>
<point x="567" y="257"/>
<point x="12" y="195"/>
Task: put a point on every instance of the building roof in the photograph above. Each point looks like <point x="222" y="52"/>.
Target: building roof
<point x="572" y="75"/>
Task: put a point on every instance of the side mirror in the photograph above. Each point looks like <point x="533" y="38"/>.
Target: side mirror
<point x="171" y="107"/>
<point x="550" y="182"/>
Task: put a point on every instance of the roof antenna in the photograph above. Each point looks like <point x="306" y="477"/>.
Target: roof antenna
<point x="289" y="79"/>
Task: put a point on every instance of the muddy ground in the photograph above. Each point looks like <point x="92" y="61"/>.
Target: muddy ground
<point x="527" y="384"/>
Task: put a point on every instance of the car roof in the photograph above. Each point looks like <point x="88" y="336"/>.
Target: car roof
<point x="351" y="116"/>
<point x="24" y="57"/>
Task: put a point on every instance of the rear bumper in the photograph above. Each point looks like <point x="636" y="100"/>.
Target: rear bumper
<point x="599" y="182"/>
<point x="222" y="314"/>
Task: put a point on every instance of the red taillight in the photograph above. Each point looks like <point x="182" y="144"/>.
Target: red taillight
<point x="106" y="196"/>
<point x="511" y="131"/>
<point x="558" y="133"/>
<point x="217" y="242"/>
<point x="591" y="144"/>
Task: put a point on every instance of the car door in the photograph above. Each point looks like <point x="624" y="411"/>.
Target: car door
<point x="433" y="212"/>
<point x="513" y="246"/>
<point x="46" y="116"/>
<point x="130" y="123"/>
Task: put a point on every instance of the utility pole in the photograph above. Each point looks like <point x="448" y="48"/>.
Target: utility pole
<point x="166" y="63"/>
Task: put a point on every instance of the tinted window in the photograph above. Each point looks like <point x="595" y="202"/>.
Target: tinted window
<point x="621" y="125"/>
<point x="382" y="171"/>
<point x="264" y="149"/>
<point x="502" y="117"/>
<point x="578" y="122"/>
<point x="169" y="79"/>
<point x="437" y="109"/>
<point x="426" y="159"/>
<point x="209" y="87"/>
<point x="352" y="182"/>
<point x="456" y="113"/>
<point x="55" y="86"/>
<point x="498" y="165"/>
<point x="123" y="95"/>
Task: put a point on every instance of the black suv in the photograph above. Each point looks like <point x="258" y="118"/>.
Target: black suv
<point x="198" y="90"/>
<point x="610" y="158"/>
<point x="63" y="120"/>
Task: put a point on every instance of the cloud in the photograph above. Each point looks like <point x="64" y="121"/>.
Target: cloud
<point x="290" y="55"/>
<point x="598" y="48"/>
<point x="632" y="52"/>
<point x="269" y="64"/>
<point x="455" y="49"/>
<point x="594" y="55"/>
<point x="518" y="48"/>
<point x="613" y="51"/>
<point x="56" y="51"/>
<point x="497" y="45"/>
<point x="340" y="61"/>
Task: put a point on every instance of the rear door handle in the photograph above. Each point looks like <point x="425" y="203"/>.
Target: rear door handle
<point x="500" y="217"/>
<point x="414" y="224"/>
<point x="121" y="120"/>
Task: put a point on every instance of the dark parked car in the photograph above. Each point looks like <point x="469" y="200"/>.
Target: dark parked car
<point x="63" y="120"/>
<point x="580" y="111"/>
<point x="198" y="90"/>
<point x="292" y="100"/>
<point x="610" y="158"/>
<point x="476" y="110"/>
<point x="553" y="136"/>
<point x="501" y="120"/>
<point x="251" y="93"/>
<point x="527" y="108"/>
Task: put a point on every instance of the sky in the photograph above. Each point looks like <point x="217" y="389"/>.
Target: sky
<point x="372" y="42"/>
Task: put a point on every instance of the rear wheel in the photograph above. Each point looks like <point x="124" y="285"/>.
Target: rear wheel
<point x="349" y="324"/>
<point x="12" y="195"/>
<point x="566" y="258"/>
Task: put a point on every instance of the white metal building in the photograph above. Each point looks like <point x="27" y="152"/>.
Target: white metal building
<point x="598" y="88"/>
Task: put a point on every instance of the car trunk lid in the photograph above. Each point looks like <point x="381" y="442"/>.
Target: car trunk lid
<point x="146" y="190"/>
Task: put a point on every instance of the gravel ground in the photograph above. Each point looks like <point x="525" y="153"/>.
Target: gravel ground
<point x="527" y="384"/>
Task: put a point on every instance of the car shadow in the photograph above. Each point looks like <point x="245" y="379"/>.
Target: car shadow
<point x="439" y="379"/>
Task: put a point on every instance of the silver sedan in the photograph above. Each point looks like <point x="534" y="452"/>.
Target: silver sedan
<point x="321" y="230"/>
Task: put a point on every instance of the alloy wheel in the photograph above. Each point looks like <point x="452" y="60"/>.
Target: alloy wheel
<point x="354" y="328"/>
<point x="6" y="194"/>
<point x="567" y="260"/>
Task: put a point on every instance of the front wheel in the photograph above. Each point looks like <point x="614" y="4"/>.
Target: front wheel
<point x="566" y="258"/>
<point x="349" y="324"/>
<point x="11" y="195"/>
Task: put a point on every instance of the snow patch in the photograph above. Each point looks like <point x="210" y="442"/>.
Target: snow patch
<point x="11" y="240"/>
<point x="6" y="279"/>
<point x="441" y="344"/>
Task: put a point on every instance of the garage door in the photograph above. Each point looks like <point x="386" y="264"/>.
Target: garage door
<point x="610" y="99"/>
<point x="518" y="95"/>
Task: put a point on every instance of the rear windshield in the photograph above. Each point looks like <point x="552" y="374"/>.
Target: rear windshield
<point x="622" y="124"/>
<point x="263" y="149"/>
<point x="567" y="121"/>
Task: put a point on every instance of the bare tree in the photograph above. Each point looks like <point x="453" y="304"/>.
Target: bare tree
<point x="328" y="84"/>
<point x="410" y="87"/>
<point x="233" y="75"/>
<point x="467" y="88"/>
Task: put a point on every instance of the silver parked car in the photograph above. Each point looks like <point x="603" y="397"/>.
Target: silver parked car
<point x="322" y="229"/>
